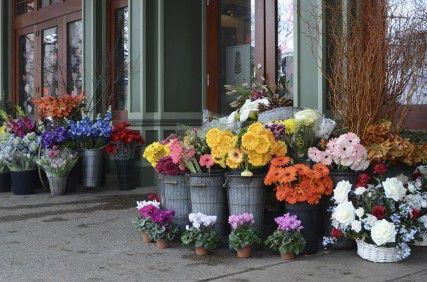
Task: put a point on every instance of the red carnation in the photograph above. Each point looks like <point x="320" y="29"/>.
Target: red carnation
<point x="363" y="180"/>
<point x="380" y="168"/>
<point x="336" y="233"/>
<point x="415" y="214"/>
<point x="379" y="212"/>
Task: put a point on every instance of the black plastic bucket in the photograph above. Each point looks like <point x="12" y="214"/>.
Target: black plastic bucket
<point x="5" y="182"/>
<point x="23" y="182"/>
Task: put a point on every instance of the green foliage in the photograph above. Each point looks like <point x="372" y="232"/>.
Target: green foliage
<point x="165" y="232"/>
<point x="243" y="236"/>
<point x="286" y="242"/>
<point x="203" y="237"/>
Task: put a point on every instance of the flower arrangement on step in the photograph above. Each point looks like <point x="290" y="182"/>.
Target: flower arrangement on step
<point x="383" y="216"/>
<point x="201" y="233"/>
<point x="287" y="239"/>
<point x="253" y="148"/>
<point x="243" y="235"/>
<point x="60" y="108"/>
<point x="143" y="222"/>
<point x="124" y="142"/>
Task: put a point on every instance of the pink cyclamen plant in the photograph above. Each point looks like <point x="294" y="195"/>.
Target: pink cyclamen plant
<point x="344" y="151"/>
<point x="288" y="222"/>
<point x="238" y="220"/>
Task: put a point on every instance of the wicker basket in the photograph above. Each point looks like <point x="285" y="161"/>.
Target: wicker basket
<point x="423" y="241"/>
<point x="377" y="254"/>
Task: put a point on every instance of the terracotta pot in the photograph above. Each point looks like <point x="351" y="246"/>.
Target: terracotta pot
<point x="244" y="252"/>
<point x="145" y="237"/>
<point x="287" y="256"/>
<point x="162" y="244"/>
<point x="200" y="251"/>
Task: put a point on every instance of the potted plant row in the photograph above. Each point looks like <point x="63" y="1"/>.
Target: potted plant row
<point x="201" y="234"/>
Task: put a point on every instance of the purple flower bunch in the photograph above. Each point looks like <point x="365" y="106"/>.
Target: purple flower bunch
<point x="288" y="222"/>
<point x="257" y="93"/>
<point x="55" y="137"/>
<point x="277" y="129"/>
<point x="147" y="211"/>
<point x="166" y="166"/>
<point x="157" y="215"/>
<point x="21" y="126"/>
<point x="238" y="220"/>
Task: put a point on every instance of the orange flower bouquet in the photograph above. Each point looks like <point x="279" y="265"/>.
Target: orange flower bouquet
<point x="298" y="183"/>
<point x="65" y="106"/>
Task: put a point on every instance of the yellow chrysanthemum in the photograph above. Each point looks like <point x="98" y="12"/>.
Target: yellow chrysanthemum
<point x="219" y="160"/>
<point x="290" y="126"/>
<point x="231" y="164"/>
<point x="154" y="152"/>
<point x="256" y="127"/>
<point x="263" y="145"/>
<point x="250" y="141"/>
<point x="279" y="148"/>
<point x="258" y="160"/>
<point x="2" y="130"/>
<point x="213" y="137"/>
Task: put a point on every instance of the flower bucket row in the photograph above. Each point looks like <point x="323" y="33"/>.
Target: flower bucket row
<point x="156" y="224"/>
<point x="302" y="158"/>
<point x="62" y="136"/>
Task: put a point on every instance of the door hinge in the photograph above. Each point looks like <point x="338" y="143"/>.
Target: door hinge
<point x="208" y="80"/>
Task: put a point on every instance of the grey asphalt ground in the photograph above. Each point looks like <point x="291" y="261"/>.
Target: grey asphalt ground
<point x="89" y="236"/>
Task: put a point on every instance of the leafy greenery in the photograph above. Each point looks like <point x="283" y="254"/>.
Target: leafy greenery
<point x="166" y="232"/>
<point x="204" y="237"/>
<point x="245" y="235"/>
<point x="286" y="242"/>
<point x="144" y="225"/>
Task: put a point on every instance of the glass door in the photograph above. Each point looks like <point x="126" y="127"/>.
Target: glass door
<point x="49" y="62"/>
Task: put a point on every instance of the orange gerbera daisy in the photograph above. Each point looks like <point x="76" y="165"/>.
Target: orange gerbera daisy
<point x="302" y="169"/>
<point x="280" y="161"/>
<point x="289" y="174"/>
<point x="321" y="169"/>
<point x="273" y="175"/>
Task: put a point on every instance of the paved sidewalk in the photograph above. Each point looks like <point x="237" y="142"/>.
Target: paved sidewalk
<point x="90" y="237"/>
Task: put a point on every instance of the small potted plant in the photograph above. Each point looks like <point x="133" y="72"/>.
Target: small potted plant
<point x="57" y="163"/>
<point x="243" y="235"/>
<point x="164" y="229"/>
<point x="287" y="239"/>
<point x="143" y="222"/>
<point x="123" y="146"/>
<point x="201" y="234"/>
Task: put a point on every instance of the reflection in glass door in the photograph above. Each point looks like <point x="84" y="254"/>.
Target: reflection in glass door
<point x="75" y="58"/>
<point x="121" y="58"/>
<point x="26" y="68"/>
<point x="236" y="46"/>
<point x="50" y="62"/>
<point x="285" y="46"/>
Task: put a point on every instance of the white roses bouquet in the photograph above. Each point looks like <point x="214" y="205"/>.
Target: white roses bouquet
<point x="385" y="214"/>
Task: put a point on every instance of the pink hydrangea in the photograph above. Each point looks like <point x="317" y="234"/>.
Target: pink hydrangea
<point x="238" y="220"/>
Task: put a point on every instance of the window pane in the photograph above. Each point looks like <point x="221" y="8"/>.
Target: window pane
<point x="121" y="58"/>
<point x="74" y="58"/>
<point x="285" y="46"/>
<point x="237" y="42"/>
<point x="50" y="61"/>
<point x="26" y="58"/>
<point x="45" y="3"/>
<point x="24" y="6"/>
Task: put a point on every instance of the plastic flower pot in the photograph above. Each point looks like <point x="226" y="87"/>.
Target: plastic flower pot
<point x="176" y="196"/>
<point x="57" y="185"/>
<point x="200" y="251"/>
<point x="247" y="195"/>
<point x="162" y="244"/>
<point x="125" y="174"/>
<point x="23" y="182"/>
<point x="145" y="237"/>
<point x="5" y="182"/>
<point x="92" y="167"/>
<point x="244" y="252"/>
<point x="74" y="178"/>
<point x="208" y="197"/>
<point x="287" y="256"/>
<point x="311" y="220"/>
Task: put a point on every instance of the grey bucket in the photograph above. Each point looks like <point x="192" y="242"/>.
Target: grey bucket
<point x="92" y="167"/>
<point x="247" y="195"/>
<point x="208" y="197"/>
<point x="57" y="185"/>
<point x="176" y="196"/>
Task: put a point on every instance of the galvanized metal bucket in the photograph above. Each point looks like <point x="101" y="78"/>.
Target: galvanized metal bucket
<point x="176" y="196"/>
<point x="92" y="167"/>
<point x="208" y="197"/>
<point x="247" y="195"/>
<point x="57" y="185"/>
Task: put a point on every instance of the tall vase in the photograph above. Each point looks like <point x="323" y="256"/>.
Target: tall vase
<point x="92" y="167"/>
<point x="337" y="176"/>
<point x="23" y="182"/>
<point x="247" y="195"/>
<point x="310" y="219"/>
<point x="208" y="197"/>
<point x="57" y="184"/>
<point x="125" y="174"/>
<point x="176" y="196"/>
<point x="5" y="182"/>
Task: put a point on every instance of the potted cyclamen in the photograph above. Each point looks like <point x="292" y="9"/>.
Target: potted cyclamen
<point x="123" y="147"/>
<point x="57" y="163"/>
<point x="243" y="235"/>
<point x="164" y="230"/>
<point x="201" y="233"/>
<point x="245" y="154"/>
<point x="383" y="219"/>
<point x="301" y="187"/>
<point x="92" y="135"/>
<point x="143" y="222"/>
<point x="287" y="239"/>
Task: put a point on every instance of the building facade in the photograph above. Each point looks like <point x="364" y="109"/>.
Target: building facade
<point x="159" y="63"/>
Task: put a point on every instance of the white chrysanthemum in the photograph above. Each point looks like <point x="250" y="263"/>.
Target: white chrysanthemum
<point x="383" y="232"/>
<point x="394" y="189"/>
<point x="356" y="226"/>
<point x="359" y="212"/>
<point x="344" y="213"/>
<point x="370" y="219"/>
<point x="341" y="191"/>
<point x="360" y="190"/>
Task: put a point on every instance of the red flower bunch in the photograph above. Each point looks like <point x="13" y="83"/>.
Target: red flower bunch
<point x="336" y="233"/>
<point x="123" y="135"/>
<point x="363" y="180"/>
<point x="379" y="212"/>
<point x="166" y="166"/>
<point x="380" y="169"/>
